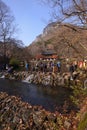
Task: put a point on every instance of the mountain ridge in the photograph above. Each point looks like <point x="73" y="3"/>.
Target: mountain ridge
<point x="66" y="39"/>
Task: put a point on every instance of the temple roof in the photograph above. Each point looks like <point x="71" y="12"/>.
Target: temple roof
<point x="48" y="52"/>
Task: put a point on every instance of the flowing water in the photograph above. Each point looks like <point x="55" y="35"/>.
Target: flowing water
<point x="47" y="97"/>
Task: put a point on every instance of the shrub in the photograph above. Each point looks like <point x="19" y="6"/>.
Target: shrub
<point x="15" y="63"/>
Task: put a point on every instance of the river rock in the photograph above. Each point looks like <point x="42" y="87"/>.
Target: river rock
<point x="67" y="124"/>
<point x="18" y="115"/>
<point x="39" y="117"/>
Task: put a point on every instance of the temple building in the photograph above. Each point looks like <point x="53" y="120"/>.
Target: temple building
<point x="47" y="54"/>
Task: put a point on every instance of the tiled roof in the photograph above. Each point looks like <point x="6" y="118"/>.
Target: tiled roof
<point x="48" y="52"/>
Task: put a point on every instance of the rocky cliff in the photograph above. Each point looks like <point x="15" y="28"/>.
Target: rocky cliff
<point x="67" y="40"/>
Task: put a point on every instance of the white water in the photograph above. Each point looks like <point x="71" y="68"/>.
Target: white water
<point x="2" y="77"/>
<point x="29" y="79"/>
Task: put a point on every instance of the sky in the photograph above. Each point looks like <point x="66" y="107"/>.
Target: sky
<point x="31" y="17"/>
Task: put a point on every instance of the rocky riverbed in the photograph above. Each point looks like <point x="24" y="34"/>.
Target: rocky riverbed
<point x="18" y="115"/>
<point x="49" y="78"/>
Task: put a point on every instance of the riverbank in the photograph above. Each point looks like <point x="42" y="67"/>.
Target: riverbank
<point x="49" y="78"/>
<point x="18" y="115"/>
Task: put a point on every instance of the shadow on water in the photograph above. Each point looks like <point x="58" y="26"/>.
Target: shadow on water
<point x="47" y="97"/>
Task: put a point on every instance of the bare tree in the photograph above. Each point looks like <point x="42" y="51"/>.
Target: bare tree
<point x="7" y="27"/>
<point x="71" y="11"/>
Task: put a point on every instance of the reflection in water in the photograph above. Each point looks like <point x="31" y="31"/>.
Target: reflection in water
<point x="47" y="97"/>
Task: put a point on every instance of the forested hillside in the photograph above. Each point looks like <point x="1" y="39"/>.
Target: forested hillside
<point x="67" y="40"/>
